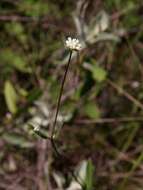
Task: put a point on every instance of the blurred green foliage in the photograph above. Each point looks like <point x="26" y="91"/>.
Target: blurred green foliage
<point x="100" y="119"/>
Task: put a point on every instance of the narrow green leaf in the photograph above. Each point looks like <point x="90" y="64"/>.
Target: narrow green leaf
<point x="11" y="97"/>
<point x="89" y="175"/>
<point x="39" y="131"/>
<point x="17" y="140"/>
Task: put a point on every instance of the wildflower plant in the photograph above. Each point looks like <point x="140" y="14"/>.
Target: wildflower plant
<point x="72" y="44"/>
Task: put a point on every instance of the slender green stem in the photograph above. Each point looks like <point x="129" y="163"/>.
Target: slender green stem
<point x="58" y="107"/>
<point x="60" y="95"/>
<point x="61" y="156"/>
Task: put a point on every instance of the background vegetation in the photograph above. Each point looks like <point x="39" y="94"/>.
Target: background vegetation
<point x="100" y="120"/>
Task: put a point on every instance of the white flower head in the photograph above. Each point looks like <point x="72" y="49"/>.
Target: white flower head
<point x="73" y="44"/>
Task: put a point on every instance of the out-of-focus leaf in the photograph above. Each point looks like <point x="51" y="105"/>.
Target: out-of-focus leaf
<point x="32" y="8"/>
<point x="104" y="36"/>
<point x="98" y="73"/>
<point x="98" y="24"/>
<point x="74" y="186"/>
<point x="81" y="171"/>
<point x="84" y="173"/>
<point x="34" y="95"/>
<point x="89" y="179"/>
<point x="22" y="92"/>
<point x="96" y="30"/>
<point x="14" y="60"/>
<point x="91" y="110"/>
<point x="39" y="131"/>
<point x="17" y="140"/>
<point x="11" y="97"/>
<point x="59" y="179"/>
<point x="17" y="30"/>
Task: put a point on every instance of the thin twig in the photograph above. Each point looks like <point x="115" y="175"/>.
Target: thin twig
<point x="109" y="120"/>
<point x="134" y="167"/>
<point x="126" y="94"/>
